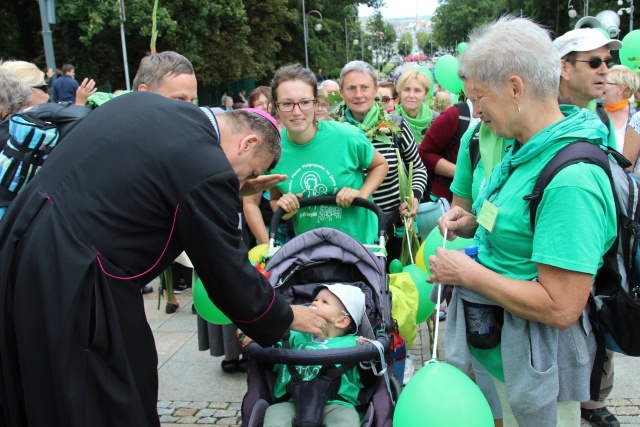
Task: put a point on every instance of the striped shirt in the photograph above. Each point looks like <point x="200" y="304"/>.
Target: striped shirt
<point x="387" y="196"/>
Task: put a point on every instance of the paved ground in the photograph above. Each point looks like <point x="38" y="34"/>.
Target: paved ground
<point x="195" y="392"/>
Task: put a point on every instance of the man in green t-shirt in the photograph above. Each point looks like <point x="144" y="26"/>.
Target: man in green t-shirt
<point x="585" y="63"/>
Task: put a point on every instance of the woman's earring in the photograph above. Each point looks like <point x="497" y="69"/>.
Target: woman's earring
<point x="518" y="107"/>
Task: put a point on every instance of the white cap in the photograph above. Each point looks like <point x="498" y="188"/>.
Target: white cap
<point x="350" y="296"/>
<point x="584" y="40"/>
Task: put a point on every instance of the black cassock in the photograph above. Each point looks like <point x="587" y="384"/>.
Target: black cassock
<point x="139" y="180"/>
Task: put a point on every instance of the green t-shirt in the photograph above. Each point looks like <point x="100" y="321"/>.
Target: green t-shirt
<point x="350" y="384"/>
<point x="576" y="218"/>
<point x="467" y="183"/>
<point x="335" y="158"/>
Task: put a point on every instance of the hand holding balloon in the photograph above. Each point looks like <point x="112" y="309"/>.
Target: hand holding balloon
<point x="449" y="267"/>
<point x="459" y="222"/>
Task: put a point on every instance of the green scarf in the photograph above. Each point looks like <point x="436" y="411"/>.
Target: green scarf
<point x="577" y="125"/>
<point x="370" y="123"/>
<point x="420" y="123"/>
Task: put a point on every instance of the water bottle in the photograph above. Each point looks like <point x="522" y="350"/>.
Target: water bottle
<point x="483" y="328"/>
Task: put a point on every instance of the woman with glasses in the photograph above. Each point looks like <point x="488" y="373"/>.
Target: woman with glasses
<point x="31" y="75"/>
<point x="389" y="134"/>
<point x="322" y="107"/>
<point x="620" y="84"/>
<point x="388" y="96"/>
<point x="413" y="87"/>
<point x="322" y="158"/>
<point x="260" y="98"/>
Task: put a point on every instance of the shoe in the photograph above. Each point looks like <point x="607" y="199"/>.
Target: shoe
<point x="171" y="308"/>
<point x="193" y="309"/>
<point x="244" y="363"/>
<point x="408" y="370"/>
<point x="180" y="288"/>
<point x="443" y="316"/>
<point x="600" y="417"/>
<point x="146" y="290"/>
<point x="230" y="366"/>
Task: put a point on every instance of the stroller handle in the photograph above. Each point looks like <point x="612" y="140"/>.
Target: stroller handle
<point x="330" y="200"/>
<point x="357" y="354"/>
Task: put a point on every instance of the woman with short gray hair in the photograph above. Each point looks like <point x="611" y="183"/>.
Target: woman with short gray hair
<point x="14" y="94"/>
<point x="528" y="290"/>
<point x="389" y="134"/>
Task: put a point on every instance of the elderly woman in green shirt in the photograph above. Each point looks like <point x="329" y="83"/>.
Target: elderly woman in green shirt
<point x="536" y="285"/>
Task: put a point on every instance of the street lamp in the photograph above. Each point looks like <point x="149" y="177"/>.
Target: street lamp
<point x="346" y="37"/>
<point x="629" y="10"/>
<point x="573" y="13"/>
<point x="124" y="43"/>
<point x="317" y="27"/>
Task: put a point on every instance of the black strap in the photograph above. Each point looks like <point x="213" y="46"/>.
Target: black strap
<point x="601" y="353"/>
<point x="464" y="120"/>
<point x="602" y="114"/>
<point x="577" y="152"/>
<point x="474" y="147"/>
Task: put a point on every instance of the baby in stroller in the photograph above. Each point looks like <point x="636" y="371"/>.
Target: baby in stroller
<point x="342" y="307"/>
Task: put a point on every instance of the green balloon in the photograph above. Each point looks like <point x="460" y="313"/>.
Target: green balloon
<point x="395" y="266"/>
<point x="462" y="47"/>
<point x="425" y="305"/>
<point x="447" y="73"/>
<point x="206" y="308"/>
<point x="441" y="395"/>
<point x="434" y="240"/>
<point x="630" y="52"/>
<point x="429" y="74"/>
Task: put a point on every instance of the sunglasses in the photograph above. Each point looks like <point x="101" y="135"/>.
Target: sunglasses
<point x="44" y="87"/>
<point x="384" y="99"/>
<point x="596" y="62"/>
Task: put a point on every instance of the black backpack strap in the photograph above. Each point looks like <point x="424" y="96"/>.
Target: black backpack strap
<point x="464" y="119"/>
<point x="577" y="152"/>
<point x="474" y="147"/>
<point x="601" y="351"/>
<point x="602" y="114"/>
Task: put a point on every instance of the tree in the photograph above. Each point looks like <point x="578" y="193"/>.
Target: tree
<point x="381" y="36"/>
<point x="454" y="19"/>
<point x="424" y="41"/>
<point x="405" y="44"/>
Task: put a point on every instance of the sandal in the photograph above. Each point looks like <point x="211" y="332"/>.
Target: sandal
<point x="230" y="366"/>
<point x="171" y="308"/>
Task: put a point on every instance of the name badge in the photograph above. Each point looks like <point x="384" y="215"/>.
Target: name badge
<point x="488" y="215"/>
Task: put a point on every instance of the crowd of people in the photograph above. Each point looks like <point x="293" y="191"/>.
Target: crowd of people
<point x="306" y="135"/>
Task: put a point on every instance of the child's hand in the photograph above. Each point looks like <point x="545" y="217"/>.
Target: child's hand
<point x="362" y="340"/>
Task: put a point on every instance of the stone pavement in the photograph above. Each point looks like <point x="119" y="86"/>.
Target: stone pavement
<point x="195" y="392"/>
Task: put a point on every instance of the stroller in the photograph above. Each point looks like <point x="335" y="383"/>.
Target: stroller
<point x="322" y="256"/>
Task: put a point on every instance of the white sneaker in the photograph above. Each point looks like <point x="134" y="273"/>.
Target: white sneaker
<point x="408" y="370"/>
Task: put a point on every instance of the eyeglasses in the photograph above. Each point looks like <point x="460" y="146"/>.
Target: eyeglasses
<point x="384" y="99"/>
<point x="44" y="87"/>
<point x="596" y="62"/>
<point x="287" y="106"/>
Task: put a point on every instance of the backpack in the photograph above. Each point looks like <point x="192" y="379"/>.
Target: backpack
<point x="614" y="304"/>
<point x="27" y="141"/>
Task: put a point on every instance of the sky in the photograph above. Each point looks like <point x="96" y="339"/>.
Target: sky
<point x="402" y="8"/>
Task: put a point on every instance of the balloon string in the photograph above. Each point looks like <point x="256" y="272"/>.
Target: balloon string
<point x="435" y="337"/>
<point x="406" y="229"/>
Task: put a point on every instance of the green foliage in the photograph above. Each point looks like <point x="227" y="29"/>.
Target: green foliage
<point x="405" y="44"/>
<point x="224" y="40"/>
<point x="455" y="18"/>
<point x="424" y="42"/>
